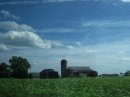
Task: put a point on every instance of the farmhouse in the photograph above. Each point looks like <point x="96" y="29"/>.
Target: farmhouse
<point x="76" y="71"/>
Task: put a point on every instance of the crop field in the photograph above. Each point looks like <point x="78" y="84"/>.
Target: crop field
<point x="68" y="87"/>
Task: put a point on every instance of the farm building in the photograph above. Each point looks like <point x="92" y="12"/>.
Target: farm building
<point x="76" y="71"/>
<point x="49" y="73"/>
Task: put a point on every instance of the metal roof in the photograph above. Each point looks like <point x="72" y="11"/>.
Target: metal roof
<point x="48" y="70"/>
<point x="79" y="68"/>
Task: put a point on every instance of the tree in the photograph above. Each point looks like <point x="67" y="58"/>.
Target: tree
<point x="127" y="73"/>
<point x="19" y="67"/>
<point x="4" y="71"/>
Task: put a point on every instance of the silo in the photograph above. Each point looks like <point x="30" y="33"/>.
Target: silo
<point x="63" y="67"/>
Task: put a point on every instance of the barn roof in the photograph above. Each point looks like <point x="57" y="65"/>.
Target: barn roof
<point x="47" y="70"/>
<point x="79" y="68"/>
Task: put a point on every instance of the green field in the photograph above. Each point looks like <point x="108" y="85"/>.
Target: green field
<point x="70" y="87"/>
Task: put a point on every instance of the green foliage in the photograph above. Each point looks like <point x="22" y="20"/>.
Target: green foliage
<point x="19" y="67"/>
<point x="3" y="66"/>
<point x="4" y="71"/>
<point x="127" y="73"/>
<point x="69" y="87"/>
<point x="19" y="62"/>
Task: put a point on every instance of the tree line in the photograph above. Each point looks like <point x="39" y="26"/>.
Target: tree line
<point x="18" y="68"/>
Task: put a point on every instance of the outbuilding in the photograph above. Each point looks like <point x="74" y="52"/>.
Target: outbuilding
<point x="49" y="73"/>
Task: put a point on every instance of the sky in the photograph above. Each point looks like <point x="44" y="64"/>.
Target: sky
<point x="94" y="33"/>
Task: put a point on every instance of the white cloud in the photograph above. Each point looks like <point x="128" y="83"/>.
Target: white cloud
<point x="56" y="43"/>
<point x="69" y="47"/>
<point x="18" y="2"/>
<point x="59" y="1"/>
<point x="91" y="51"/>
<point x="7" y="14"/>
<point x="126" y="59"/>
<point x="23" y="39"/>
<point x="13" y="26"/>
<point x="3" y="47"/>
<point x="22" y="35"/>
<point x="78" y="43"/>
<point x="126" y="1"/>
<point x="106" y="23"/>
<point x="50" y="1"/>
<point x="44" y="1"/>
<point x="57" y="30"/>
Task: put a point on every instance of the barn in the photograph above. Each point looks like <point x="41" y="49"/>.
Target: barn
<point x="49" y="73"/>
<point x="76" y="71"/>
<point x="79" y="71"/>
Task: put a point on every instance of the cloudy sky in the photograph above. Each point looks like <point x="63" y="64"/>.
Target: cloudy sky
<point x="94" y="33"/>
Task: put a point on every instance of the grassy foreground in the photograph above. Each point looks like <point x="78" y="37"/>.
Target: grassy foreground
<point x="70" y="87"/>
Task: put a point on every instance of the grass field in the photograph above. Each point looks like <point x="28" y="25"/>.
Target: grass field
<point x="70" y="87"/>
